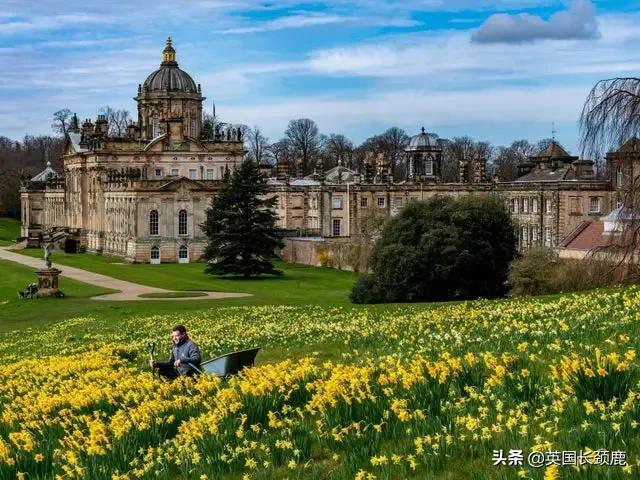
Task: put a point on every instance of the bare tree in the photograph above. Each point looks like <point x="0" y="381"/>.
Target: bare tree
<point x="257" y="145"/>
<point x="391" y="144"/>
<point x="61" y="120"/>
<point x="118" y="121"/>
<point x="508" y="158"/>
<point x="462" y="149"/>
<point x="281" y="151"/>
<point x="304" y="140"/>
<point x="26" y="158"/>
<point x="338" y="148"/>
<point x="610" y="115"/>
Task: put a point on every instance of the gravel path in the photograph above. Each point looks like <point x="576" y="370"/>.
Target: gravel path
<point x="127" y="290"/>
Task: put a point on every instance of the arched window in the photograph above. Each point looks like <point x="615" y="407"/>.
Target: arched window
<point x="155" y="254"/>
<point x="153" y="222"/>
<point x="182" y="222"/>
<point x="428" y="166"/>
<point x="183" y="254"/>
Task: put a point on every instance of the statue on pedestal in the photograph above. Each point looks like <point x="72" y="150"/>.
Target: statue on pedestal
<point x="47" y="254"/>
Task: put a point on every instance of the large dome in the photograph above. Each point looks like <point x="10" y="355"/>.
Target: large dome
<point x="423" y="141"/>
<point x="169" y="77"/>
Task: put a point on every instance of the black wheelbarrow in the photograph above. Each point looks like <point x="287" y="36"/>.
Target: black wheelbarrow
<point x="228" y="364"/>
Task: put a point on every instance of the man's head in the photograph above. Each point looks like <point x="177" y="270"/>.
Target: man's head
<point x="178" y="333"/>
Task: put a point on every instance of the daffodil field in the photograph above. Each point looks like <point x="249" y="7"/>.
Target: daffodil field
<point x="409" y="392"/>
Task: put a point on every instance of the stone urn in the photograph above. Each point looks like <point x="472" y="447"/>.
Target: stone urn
<point x="48" y="283"/>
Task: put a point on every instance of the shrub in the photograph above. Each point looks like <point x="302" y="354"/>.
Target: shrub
<point x="534" y="273"/>
<point x="325" y="258"/>
<point x="440" y="249"/>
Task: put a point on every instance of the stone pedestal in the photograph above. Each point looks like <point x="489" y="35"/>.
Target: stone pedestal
<point x="48" y="283"/>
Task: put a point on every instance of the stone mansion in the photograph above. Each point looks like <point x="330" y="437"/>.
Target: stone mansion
<point x="143" y="196"/>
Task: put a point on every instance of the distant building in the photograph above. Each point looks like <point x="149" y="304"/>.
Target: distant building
<point x="143" y="196"/>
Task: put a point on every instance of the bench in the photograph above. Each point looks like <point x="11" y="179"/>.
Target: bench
<point x="229" y="363"/>
<point x="29" y="292"/>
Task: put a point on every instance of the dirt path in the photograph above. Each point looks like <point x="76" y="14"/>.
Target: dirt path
<point x="127" y="290"/>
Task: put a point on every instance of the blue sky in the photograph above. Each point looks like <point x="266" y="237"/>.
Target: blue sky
<point x="496" y="70"/>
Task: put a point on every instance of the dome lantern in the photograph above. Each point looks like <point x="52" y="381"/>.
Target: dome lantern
<point x="169" y="54"/>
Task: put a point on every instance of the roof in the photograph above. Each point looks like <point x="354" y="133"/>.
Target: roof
<point x="339" y="174"/>
<point x="620" y="213"/>
<point x="75" y="139"/>
<point x="630" y="146"/>
<point x="304" y="182"/>
<point x="169" y="78"/>
<point x="565" y="173"/>
<point x="553" y="150"/>
<point x="589" y="237"/>
<point x="45" y="175"/>
<point x="423" y="141"/>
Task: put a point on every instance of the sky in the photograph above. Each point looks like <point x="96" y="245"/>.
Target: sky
<point x="496" y="70"/>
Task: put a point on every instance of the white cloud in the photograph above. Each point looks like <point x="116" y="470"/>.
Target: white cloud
<point x="578" y="22"/>
<point x="448" y="58"/>
<point x="290" y="21"/>
<point x="14" y="25"/>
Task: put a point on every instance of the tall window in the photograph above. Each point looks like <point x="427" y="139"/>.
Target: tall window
<point x="547" y="205"/>
<point x="547" y="236"/>
<point x="192" y="173"/>
<point x="594" y="205"/>
<point x="183" y="254"/>
<point x="182" y="222"/>
<point x="534" y="235"/>
<point x="525" y="237"/>
<point x="514" y="205"/>
<point x="534" y="205"/>
<point x="336" y="202"/>
<point x="209" y="173"/>
<point x="364" y="202"/>
<point x="336" y="227"/>
<point x="525" y="205"/>
<point x="153" y="222"/>
<point x="381" y="202"/>
<point x="154" y="125"/>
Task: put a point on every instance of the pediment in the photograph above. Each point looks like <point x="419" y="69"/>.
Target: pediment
<point x="180" y="184"/>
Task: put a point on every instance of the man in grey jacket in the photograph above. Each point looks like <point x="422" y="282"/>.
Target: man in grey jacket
<point x="184" y="356"/>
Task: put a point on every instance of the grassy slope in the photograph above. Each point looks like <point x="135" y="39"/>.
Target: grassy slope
<point x="9" y="230"/>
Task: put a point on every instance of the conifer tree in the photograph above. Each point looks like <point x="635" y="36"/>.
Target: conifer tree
<point x="241" y="226"/>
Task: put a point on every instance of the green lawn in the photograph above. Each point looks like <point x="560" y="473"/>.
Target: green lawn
<point x="17" y="314"/>
<point x="9" y="230"/>
<point x="300" y="285"/>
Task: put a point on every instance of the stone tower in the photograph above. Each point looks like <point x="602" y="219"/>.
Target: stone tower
<point x="169" y="93"/>
<point x="424" y="158"/>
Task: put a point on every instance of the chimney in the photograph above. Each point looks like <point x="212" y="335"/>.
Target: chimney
<point x="102" y="126"/>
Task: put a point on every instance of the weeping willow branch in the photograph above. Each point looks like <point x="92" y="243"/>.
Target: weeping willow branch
<point x="610" y="116"/>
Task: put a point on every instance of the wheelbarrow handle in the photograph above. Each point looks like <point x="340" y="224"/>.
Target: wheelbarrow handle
<point x="195" y="368"/>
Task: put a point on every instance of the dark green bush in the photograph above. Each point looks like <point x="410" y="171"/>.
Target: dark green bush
<point x="440" y="249"/>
